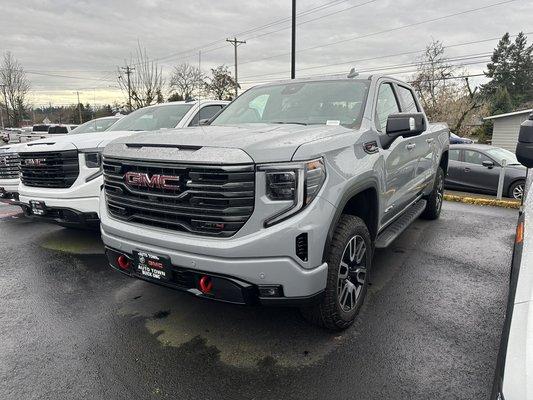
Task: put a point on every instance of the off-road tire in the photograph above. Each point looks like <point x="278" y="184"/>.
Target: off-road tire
<point x="434" y="203"/>
<point x="327" y="312"/>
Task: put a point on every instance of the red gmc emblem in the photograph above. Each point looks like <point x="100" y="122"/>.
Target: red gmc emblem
<point x="155" y="181"/>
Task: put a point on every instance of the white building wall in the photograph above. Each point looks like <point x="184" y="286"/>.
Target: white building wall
<point x="505" y="133"/>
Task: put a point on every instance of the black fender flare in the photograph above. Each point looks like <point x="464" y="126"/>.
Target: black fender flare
<point x="347" y="196"/>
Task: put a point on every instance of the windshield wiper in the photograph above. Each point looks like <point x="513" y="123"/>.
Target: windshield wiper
<point x="289" y="123"/>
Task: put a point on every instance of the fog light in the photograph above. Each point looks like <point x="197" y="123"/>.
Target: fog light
<point x="123" y="262"/>
<point x="270" y="291"/>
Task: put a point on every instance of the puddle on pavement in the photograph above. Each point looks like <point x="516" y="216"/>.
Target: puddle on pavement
<point x="250" y="337"/>
<point x="73" y="241"/>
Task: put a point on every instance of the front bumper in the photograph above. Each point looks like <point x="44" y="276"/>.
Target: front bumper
<point x="9" y="186"/>
<point x="225" y="288"/>
<point x="256" y="256"/>
<point x="64" y="216"/>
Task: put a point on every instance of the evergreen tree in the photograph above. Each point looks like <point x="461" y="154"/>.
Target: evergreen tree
<point x="511" y="67"/>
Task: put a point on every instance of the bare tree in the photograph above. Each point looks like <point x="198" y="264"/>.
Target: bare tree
<point x="185" y="80"/>
<point x="221" y="84"/>
<point x="15" y="88"/>
<point x="444" y="95"/>
<point x="142" y="79"/>
<point x="432" y="74"/>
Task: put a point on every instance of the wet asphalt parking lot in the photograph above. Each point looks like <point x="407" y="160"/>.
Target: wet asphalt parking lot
<point x="72" y="328"/>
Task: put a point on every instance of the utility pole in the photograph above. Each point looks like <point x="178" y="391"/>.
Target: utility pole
<point x="79" y="107"/>
<point x="129" y="71"/>
<point x="293" y="41"/>
<point x="236" y="44"/>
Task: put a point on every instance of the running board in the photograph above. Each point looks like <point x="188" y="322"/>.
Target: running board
<point x="394" y="230"/>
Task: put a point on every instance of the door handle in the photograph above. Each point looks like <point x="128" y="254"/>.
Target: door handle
<point x="430" y="140"/>
<point x="467" y="169"/>
<point x="410" y="146"/>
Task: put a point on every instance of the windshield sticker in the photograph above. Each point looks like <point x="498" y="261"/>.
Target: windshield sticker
<point x="333" y="122"/>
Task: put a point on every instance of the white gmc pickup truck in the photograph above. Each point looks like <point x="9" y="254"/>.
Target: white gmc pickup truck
<point x="61" y="178"/>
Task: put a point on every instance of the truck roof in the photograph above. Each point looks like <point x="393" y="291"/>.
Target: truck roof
<point x="338" y="77"/>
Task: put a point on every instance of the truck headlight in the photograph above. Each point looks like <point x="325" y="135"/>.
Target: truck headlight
<point x="295" y="183"/>
<point x="93" y="159"/>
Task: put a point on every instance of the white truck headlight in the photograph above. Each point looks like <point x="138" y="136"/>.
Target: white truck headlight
<point x="297" y="183"/>
<point x="93" y="160"/>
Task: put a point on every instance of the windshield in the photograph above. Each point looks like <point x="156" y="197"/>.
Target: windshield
<point x="309" y="103"/>
<point x="96" y="125"/>
<point x="500" y="154"/>
<point x="453" y="135"/>
<point x="153" y="118"/>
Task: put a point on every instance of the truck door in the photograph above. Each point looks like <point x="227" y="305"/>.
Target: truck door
<point x="400" y="159"/>
<point x="425" y="146"/>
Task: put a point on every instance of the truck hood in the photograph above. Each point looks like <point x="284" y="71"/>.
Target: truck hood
<point x="261" y="142"/>
<point x="10" y="148"/>
<point x="81" y="141"/>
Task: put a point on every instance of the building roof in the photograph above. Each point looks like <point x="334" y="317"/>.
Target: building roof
<point x="509" y="114"/>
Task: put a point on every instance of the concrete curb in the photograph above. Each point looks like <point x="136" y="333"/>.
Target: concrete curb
<point x="483" y="202"/>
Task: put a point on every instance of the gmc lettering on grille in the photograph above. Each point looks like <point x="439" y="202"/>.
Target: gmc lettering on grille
<point x="154" y="182"/>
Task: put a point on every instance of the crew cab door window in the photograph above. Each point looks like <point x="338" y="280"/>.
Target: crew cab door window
<point x="386" y="105"/>
<point x="205" y="113"/>
<point x="408" y="100"/>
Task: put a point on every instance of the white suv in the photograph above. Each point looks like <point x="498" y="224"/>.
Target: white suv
<point x="61" y="178"/>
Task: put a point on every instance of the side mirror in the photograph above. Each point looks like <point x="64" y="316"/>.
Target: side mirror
<point x="203" y="122"/>
<point x="405" y="124"/>
<point x="524" y="148"/>
<point x="488" y="164"/>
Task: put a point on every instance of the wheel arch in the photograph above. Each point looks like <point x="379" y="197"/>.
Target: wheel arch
<point x="507" y="189"/>
<point x="361" y="201"/>
<point x="443" y="162"/>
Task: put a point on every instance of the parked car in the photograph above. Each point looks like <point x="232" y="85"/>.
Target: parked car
<point x="514" y="367"/>
<point x="61" y="177"/>
<point x="281" y="199"/>
<point x="96" y="125"/>
<point x="454" y="139"/>
<point x="476" y="168"/>
<point x="9" y="171"/>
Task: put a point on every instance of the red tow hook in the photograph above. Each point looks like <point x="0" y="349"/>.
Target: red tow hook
<point x="205" y="284"/>
<point x="123" y="262"/>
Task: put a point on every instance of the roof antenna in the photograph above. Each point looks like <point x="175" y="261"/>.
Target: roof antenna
<point x="353" y="73"/>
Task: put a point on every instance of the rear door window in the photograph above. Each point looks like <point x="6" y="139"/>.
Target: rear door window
<point x="454" y="155"/>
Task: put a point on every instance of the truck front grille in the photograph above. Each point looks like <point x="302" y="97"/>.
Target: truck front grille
<point x="49" y="169"/>
<point x="206" y="200"/>
<point x="9" y="166"/>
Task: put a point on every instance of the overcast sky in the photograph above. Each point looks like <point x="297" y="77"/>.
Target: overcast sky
<point x="85" y="41"/>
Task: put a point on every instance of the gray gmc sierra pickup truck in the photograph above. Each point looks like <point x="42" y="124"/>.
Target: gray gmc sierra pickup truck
<point x="282" y="199"/>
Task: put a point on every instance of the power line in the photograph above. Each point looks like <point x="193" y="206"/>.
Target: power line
<point x="354" y="62"/>
<point x="384" y="31"/>
<point x="252" y="30"/>
<point x="313" y="19"/>
<point x="378" y="69"/>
